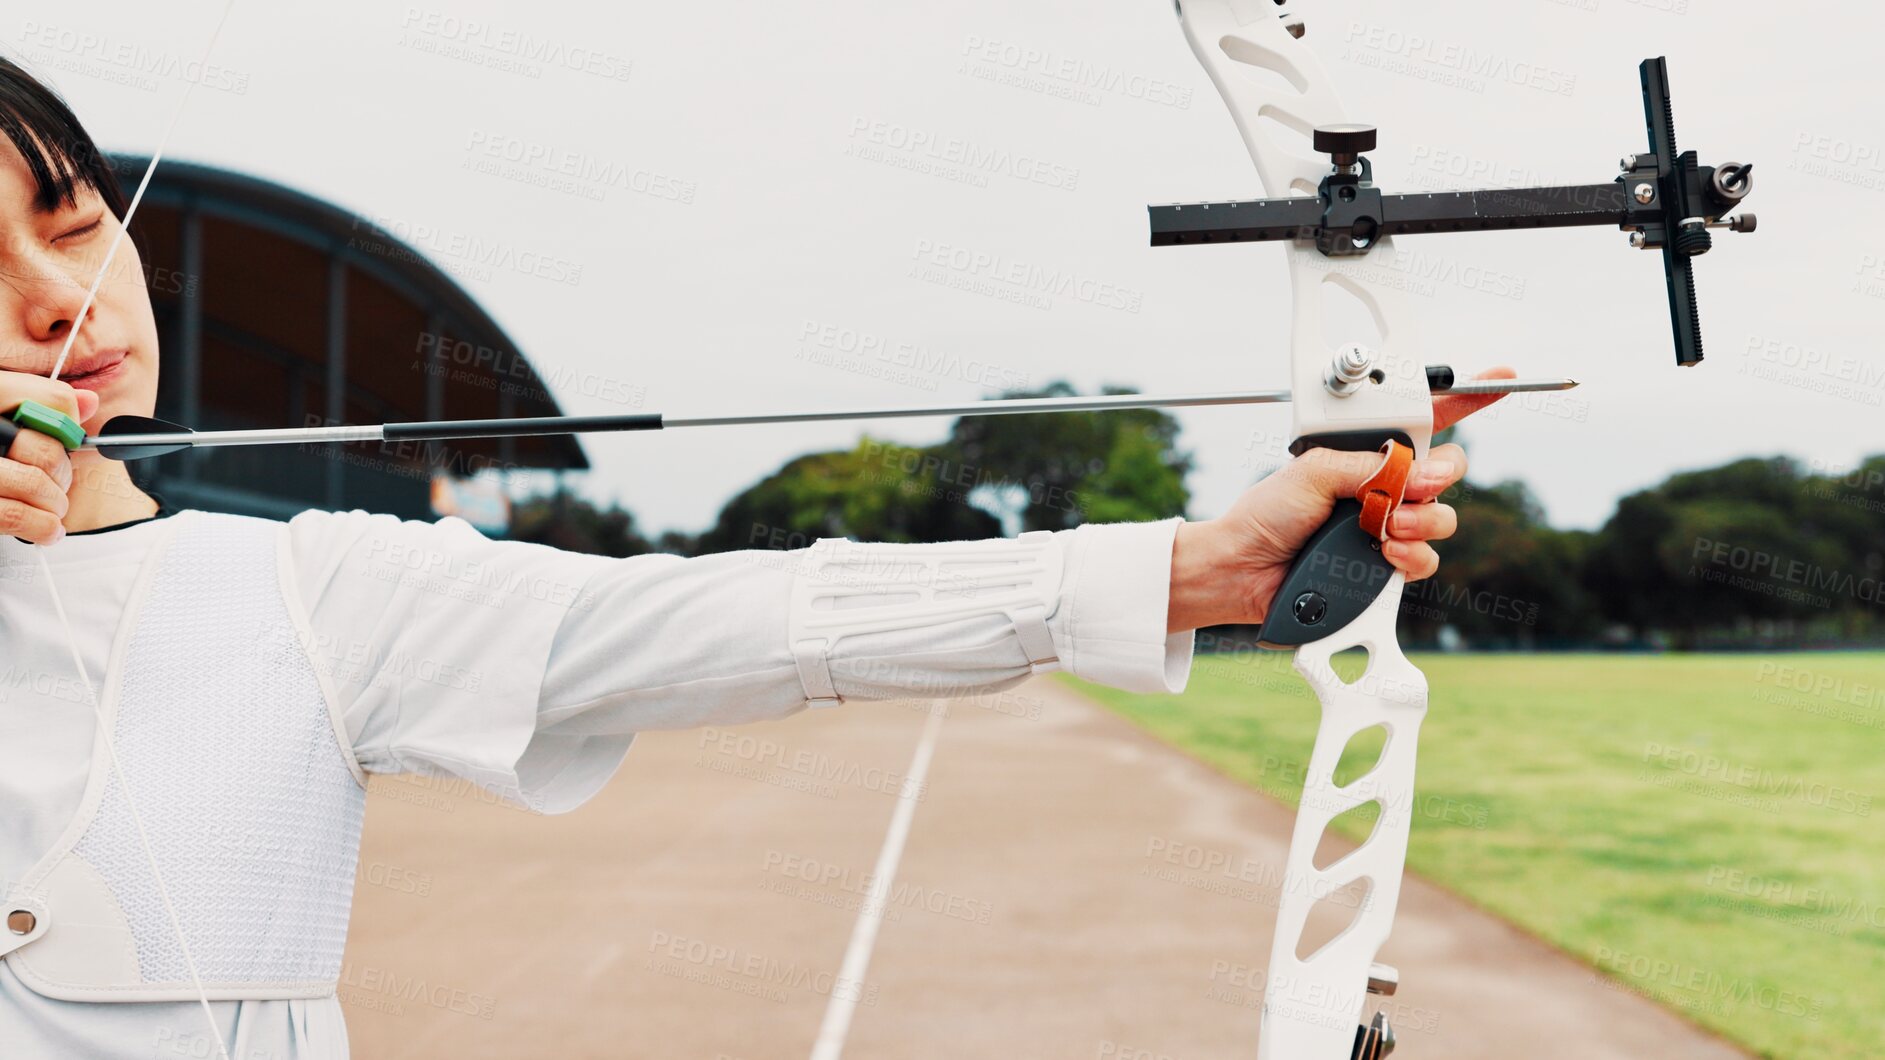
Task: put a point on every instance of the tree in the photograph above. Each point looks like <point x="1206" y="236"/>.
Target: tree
<point x="563" y="520"/>
<point x="1750" y="550"/>
<point x="1506" y="579"/>
<point x="1056" y="471"/>
<point x="874" y="492"/>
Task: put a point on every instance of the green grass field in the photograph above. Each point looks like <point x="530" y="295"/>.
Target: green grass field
<point x="1707" y="830"/>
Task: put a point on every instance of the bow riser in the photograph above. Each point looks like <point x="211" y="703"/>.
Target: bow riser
<point x="1313" y="1002"/>
<point x="1312" y="1006"/>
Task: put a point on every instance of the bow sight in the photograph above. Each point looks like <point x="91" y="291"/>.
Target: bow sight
<point x="1664" y="199"/>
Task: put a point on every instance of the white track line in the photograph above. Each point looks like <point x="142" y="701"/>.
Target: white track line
<point x="849" y="986"/>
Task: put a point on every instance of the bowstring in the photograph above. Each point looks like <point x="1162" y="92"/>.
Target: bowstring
<point x="52" y="589"/>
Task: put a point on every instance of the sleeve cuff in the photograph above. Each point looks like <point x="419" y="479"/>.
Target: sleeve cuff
<point x="1113" y="605"/>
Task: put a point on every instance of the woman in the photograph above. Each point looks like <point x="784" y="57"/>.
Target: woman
<point x="246" y="675"/>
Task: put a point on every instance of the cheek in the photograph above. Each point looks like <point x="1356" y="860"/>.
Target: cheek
<point x="127" y="295"/>
<point x="128" y="301"/>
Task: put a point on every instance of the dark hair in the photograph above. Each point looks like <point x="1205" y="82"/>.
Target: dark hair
<point x="56" y="147"/>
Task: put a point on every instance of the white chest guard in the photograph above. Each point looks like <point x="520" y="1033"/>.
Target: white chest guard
<point x="251" y="801"/>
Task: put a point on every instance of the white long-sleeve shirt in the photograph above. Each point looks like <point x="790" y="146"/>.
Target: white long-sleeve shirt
<point x="518" y="667"/>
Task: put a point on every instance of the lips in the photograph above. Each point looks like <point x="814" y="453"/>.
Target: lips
<point x="95" y="371"/>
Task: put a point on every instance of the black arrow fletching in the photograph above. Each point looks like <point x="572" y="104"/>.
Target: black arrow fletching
<point x="122" y="425"/>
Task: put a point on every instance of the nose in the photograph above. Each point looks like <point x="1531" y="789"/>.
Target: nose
<point x="51" y="301"/>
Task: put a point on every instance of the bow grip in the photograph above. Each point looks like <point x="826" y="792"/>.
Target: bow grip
<point x="1340" y="570"/>
<point x="33" y="416"/>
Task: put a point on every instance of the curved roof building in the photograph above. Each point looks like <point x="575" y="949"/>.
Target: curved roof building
<point x="275" y="308"/>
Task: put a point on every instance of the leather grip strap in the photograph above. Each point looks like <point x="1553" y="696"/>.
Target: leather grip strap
<point x="1383" y="491"/>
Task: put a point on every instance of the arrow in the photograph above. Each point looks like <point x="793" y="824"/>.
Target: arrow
<point x="142" y="437"/>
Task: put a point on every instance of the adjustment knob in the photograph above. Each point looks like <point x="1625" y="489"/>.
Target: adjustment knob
<point x="1344" y="143"/>
<point x="1731" y="181"/>
<point x="1692" y="238"/>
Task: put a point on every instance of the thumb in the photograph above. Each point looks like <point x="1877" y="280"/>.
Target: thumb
<point x="88" y="403"/>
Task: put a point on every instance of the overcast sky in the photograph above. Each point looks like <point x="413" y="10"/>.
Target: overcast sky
<point x="751" y="206"/>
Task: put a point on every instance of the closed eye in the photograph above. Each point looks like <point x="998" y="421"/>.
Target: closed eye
<point x="81" y="231"/>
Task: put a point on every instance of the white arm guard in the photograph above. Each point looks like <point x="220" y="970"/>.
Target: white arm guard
<point x="843" y="588"/>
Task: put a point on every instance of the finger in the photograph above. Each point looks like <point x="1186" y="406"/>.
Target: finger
<point x="1424" y="522"/>
<point x="1416" y="559"/>
<point x="29" y="523"/>
<point x="32" y="486"/>
<point x="1335" y="473"/>
<point x="45" y="454"/>
<point x="1449" y="409"/>
<point x="16" y="387"/>
<point x="1442" y="467"/>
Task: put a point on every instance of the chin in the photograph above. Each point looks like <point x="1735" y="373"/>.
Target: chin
<point x="113" y="402"/>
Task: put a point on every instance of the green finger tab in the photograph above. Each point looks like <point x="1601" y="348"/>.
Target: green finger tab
<point x="50" y="421"/>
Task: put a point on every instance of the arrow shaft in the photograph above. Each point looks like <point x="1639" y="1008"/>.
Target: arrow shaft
<point x="652" y="421"/>
<point x="523" y="426"/>
<point x="1010" y="407"/>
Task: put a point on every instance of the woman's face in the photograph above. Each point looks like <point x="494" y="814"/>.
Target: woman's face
<point x="47" y="262"/>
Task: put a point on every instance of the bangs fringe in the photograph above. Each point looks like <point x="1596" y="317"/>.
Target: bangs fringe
<point x="58" y="151"/>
